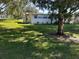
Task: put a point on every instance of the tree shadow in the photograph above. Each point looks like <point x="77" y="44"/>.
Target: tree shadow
<point x="29" y="50"/>
<point x="26" y="43"/>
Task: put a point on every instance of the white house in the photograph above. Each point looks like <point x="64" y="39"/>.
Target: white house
<point x="44" y="19"/>
<point x="41" y="19"/>
<point x="2" y="16"/>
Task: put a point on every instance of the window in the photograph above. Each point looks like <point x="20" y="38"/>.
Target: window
<point x="35" y="16"/>
<point x="45" y="17"/>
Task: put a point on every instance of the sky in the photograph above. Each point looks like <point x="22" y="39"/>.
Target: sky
<point x="2" y="7"/>
<point x="45" y="11"/>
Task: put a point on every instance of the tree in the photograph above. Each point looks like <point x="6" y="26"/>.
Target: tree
<point x="61" y="8"/>
<point x="15" y="8"/>
<point x="18" y="8"/>
<point x="29" y="8"/>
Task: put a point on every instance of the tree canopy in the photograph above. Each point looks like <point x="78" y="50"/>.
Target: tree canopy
<point x="16" y="8"/>
<point x="60" y="8"/>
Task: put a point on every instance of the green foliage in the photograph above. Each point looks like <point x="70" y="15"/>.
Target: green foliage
<point x="15" y="8"/>
<point x="64" y="7"/>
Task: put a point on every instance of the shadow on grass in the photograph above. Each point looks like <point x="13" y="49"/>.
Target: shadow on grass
<point x="26" y="43"/>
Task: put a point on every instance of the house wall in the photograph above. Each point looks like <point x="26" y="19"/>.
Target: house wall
<point x="3" y="17"/>
<point x="41" y="19"/>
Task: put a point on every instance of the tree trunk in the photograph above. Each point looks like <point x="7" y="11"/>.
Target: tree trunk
<point x="60" y="26"/>
<point x="51" y="21"/>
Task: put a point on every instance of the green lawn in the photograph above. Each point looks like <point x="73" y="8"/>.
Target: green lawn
<point x="26" y="41"/>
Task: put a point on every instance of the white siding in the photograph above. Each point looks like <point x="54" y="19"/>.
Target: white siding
<point x="3" y="17"/>
<point x="41" y="19"/>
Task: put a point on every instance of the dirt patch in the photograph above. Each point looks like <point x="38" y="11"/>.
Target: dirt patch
<point x="64" y="38"/>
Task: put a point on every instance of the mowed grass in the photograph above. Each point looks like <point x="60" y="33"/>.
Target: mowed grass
<point x="27" y="41"/>
<point x="11" y="23"/>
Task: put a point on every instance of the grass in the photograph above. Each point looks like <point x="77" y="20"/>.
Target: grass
<point x="25" y="41"/>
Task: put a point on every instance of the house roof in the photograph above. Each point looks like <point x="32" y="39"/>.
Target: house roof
<point x="37" y="14"/>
